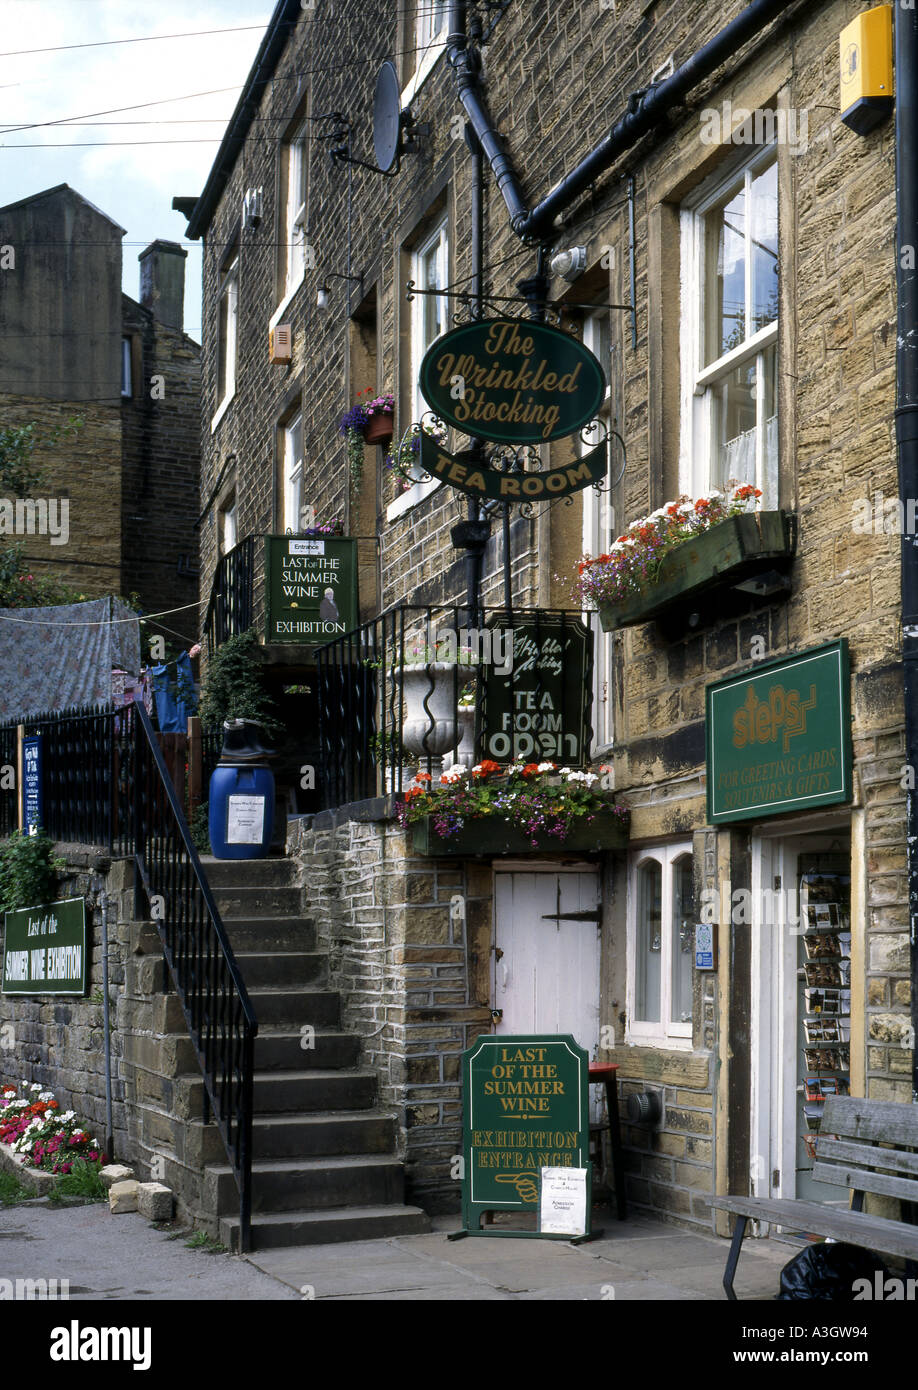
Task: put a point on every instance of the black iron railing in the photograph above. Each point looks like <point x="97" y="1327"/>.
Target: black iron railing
<point x="232" y="595"/>
<point x="80" y="782"/>
<point x="409" y="691"/>
<point x="218" y="1012"/>
<point x="105" y="783"/>
<point x="9" y="793"/>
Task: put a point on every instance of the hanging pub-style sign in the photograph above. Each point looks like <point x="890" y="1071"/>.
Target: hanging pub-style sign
<point x="311" y="588"/>
<point x="479" y="480"/>
<point x="512" y="381"/>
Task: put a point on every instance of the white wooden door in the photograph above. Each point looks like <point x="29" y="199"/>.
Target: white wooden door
<point x="547" y="952"/>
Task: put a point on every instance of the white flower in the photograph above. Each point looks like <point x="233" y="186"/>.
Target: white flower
<point x="515" y="769"/>
<point x="545" y="767"/>
<point x="34" y="1086"/>
<point x="68" y="1115"/>
<point x="46" y="1095"/>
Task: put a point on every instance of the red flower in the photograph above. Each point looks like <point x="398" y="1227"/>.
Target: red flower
<point x="422" y="777"/>
<point x="530" y="770"/>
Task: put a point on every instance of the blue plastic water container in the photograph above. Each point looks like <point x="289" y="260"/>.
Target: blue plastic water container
<point x="241" y="811"/>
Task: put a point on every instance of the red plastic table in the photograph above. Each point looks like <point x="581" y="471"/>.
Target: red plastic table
<point x="605" y="1074"/>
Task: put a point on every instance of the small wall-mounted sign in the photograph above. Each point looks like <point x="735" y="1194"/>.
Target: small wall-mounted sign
<point x="705" y="946"/>
<point x="44" y="949"/>
<point x="779" y="736"/>
<point x="32" y="784"/>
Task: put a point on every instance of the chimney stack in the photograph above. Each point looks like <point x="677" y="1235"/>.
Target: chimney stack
<point x="162" y="281"/>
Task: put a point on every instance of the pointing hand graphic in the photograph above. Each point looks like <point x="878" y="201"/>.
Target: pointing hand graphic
<point x="525" y="1184"/>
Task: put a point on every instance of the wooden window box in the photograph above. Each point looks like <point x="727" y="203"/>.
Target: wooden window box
<point x="733" y="552"/>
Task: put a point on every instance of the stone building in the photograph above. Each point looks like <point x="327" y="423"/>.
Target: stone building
<point x="737" y="282"/>
<point x="74" y="347"/>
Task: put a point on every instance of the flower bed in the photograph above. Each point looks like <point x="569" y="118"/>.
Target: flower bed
<point x="536" y="806"/>
<point x="34" y="1127"/>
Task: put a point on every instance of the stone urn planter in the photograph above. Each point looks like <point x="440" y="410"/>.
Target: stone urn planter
<point x="729" y="553"/>
<point x="464" y="756"/>
<point x="431" y="726"/>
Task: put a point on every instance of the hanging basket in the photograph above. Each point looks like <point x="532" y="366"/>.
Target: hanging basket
<point x="379" y="429"/>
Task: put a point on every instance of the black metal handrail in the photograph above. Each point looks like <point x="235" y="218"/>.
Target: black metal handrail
<point x="366" y="743"/>
<point x="218" y="1012"/>
<point x="106" y="783"/>
<point x="230" y="609"/>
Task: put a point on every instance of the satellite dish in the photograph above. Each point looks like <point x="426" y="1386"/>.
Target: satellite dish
<point x="387" y="117"/>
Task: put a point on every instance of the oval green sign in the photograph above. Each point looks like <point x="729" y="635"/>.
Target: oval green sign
<point x="512" y="381"/>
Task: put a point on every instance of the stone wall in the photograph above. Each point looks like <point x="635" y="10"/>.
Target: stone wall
<point x="156" y="1082"/>
<point x="160" y="468"/>
<point x="409" y="948"/>
<point x="85" y="469"/>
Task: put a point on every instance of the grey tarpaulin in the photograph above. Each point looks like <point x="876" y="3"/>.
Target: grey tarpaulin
<point x="54" y="657"/>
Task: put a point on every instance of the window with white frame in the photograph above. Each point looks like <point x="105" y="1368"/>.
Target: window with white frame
<point x="429" y="271"/>
<point x="660" y="944"/>
<point x="126" y="383"/>
<point x="295" y="210"/>
<point x="293" y="474"/>
<point x="729" y="339"/>
<point x="226" y="329"/>
<point x="599" y="527"/>
<point x="228" y="533"/>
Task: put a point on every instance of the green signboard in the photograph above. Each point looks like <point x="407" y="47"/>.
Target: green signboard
<point x="778" y="737"/>
<point x="311" y="588"/>
<point x="539" y="710"/>
<point x="525" y="1108"/>
<point x="44" y="949"/>
<point x="478" y="480"/>
<point x="512" y="381"/>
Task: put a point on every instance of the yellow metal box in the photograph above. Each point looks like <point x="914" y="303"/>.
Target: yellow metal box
<point x="866" y="56"/>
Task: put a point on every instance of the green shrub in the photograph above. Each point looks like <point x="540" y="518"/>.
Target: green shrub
<point x="234" y="687"/>
<point x="83" y="1180"/>
<point x="28" y="871"/>
<point x="200" y="829"/>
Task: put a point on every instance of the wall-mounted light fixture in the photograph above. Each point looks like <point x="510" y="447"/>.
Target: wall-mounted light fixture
<point x="569" y="264"/>
<point x="323" y="290"/>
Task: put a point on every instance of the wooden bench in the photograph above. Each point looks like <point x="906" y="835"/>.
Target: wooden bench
<point x="855" y="1159"/>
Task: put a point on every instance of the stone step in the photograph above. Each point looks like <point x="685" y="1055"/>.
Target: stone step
<point x="296" y="1007"/>
<point x="248" y="873"/>
<point x="285" y="1049"/>
<point x="279" y="1229"/>
<point x="283" y="1092"/>
<point x="282" y="969"/>
<point x="295" y="1184"/>
<point x="345" y="1132"/>
<point x="268" y="901"/>
<point x="271" y="933"/>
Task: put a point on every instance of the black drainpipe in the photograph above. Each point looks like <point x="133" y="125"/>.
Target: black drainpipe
<point x="907" y="439"/>
<point x="645" y="110"/>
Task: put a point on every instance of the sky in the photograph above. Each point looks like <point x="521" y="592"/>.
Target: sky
<point x="133" y="183"/>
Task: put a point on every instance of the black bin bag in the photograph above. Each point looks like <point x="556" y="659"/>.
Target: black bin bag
<point x="829" y="1272"/>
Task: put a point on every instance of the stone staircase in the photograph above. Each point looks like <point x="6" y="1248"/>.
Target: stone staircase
<point x="324" y="1164"/>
